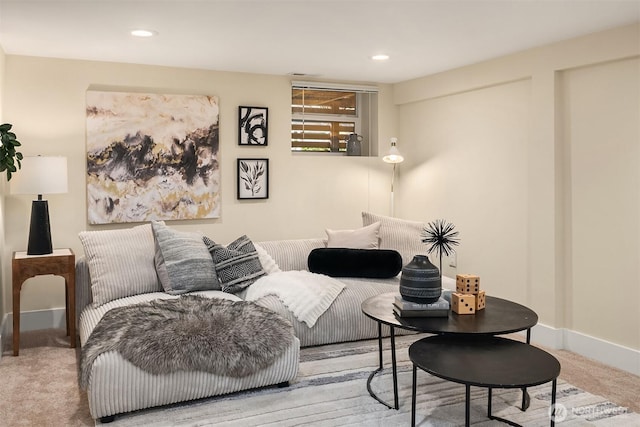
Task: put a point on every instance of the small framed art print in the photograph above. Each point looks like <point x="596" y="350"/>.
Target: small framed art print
<point x="253" y="178"/>
<point x="252" y="126"/>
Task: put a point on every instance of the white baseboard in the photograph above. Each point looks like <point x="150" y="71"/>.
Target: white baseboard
<point x="31" y="321"/>
<point x="611" y="354"/>
<point x="548" y="336"/>
<point x="618" y="356"/>
<point x="5" y="335"/>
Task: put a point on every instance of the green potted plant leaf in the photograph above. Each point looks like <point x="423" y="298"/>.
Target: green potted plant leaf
<point x="9" y="157"/>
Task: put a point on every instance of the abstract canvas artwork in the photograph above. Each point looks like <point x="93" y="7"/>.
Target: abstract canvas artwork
<point x="152" y="157"/>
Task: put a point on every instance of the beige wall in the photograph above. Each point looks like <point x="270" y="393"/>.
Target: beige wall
<point x="46" y="103"/>
<point x="507" y="149"/>
<point x="464" y="163"/>
<point x="3" y="185"/>
<point x="601" y="136"/>
<point x="535" y="157"/>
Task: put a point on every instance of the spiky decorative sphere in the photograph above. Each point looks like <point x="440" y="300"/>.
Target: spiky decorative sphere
<point x="440" y="236"/>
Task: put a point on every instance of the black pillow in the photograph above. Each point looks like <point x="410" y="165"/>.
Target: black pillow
<point x="344" y="262"/>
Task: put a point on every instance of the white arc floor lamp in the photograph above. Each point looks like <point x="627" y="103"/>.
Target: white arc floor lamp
<point x="40" y="175"/>
<point x="394" y="157"/>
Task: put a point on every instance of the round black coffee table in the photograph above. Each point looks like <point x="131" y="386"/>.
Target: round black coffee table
<point x="483" y="361"/>
<point x="500" y="316"/>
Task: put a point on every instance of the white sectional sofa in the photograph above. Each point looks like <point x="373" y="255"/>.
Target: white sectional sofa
<point x="117" y="386"/>
<point x="343" y="320"/>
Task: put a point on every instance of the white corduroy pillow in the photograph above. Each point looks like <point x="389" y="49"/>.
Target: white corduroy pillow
<point x="268" y="263"/>
<point x="121" y="263"/>
<point x="401" y="235"/>
<point x="361" y="238"/>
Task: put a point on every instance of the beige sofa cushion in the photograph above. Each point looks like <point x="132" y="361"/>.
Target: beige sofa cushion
<point x="401" y="235"/>
<point x="121" y="262"/>
<point x="361" y="238"/>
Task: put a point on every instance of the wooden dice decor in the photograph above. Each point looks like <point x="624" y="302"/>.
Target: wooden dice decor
<point x="467" y="284"/>
<point x="468" y="298"/>
<point x="481" y="301"/>
<point x="463" y="303"/>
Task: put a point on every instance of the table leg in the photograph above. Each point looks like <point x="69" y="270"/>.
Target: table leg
<point x="380" y="344"/>
<point x="496" y="418"/>
<point x="467" y="405"/>
<point x="413" y="398"/>
<point x="16" y="316"/>
<point x="66" y="304"/>
<point x="394" y="368"/>
<point x="526" y="400"/>
<point x="70" y="286"/>
<point x="553" y="402"/>
<point x="381" y="367"/>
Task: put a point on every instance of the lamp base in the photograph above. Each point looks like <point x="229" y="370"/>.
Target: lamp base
<point x="39" y="230"/>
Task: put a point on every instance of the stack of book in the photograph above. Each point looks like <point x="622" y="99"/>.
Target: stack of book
<point x="404" y="308"/>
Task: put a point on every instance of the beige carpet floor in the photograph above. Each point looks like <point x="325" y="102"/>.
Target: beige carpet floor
<point x="39" y="387"/>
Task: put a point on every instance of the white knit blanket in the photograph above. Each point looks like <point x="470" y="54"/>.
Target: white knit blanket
<point x="307" y="295"/>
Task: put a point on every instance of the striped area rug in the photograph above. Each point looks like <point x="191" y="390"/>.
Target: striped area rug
<point x="330" y="390"/>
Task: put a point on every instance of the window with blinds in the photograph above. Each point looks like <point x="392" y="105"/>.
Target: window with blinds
<point x="323" y="118"/>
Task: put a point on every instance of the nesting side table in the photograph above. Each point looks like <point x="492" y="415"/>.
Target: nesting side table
<point x="500" y="317"/>
<point x="59" y="263"/>
<point x="483" y="361"/>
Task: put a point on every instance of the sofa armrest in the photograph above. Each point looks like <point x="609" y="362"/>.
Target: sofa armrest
<point x="292" y="254"/>
<point x="83" y="286"/>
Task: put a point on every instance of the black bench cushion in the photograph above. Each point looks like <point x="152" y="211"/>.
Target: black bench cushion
<point x="346" y="262"/>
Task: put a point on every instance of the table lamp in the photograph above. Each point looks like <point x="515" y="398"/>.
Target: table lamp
<point x="40" y="175"/>
<point x="394" y="157"/>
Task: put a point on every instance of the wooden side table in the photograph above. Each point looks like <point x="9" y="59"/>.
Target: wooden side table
<point x="59" y="263"/>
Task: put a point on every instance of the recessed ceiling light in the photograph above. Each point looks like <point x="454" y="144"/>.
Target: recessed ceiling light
<point x="380" y="57"/>
<point x="143" y="33"/>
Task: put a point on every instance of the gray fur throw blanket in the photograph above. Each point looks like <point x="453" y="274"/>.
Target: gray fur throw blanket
<point x="190" y="333"/>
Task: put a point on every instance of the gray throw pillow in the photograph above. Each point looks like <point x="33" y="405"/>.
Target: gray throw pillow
<point x="182" y="261"/>
<point x="237" y="264"/>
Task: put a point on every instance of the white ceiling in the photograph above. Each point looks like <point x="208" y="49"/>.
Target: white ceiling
<point x="327" y="39"/>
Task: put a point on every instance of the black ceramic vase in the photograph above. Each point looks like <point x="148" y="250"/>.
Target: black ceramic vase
<point x="420" y="281"/>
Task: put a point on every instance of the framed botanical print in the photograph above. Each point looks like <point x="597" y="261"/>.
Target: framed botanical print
<point x="253" y="178"/>
<point x="252" y="126"/>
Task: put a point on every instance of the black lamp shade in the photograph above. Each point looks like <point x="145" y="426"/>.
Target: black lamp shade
<point x="40" y="230"/>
